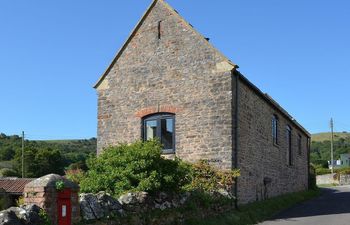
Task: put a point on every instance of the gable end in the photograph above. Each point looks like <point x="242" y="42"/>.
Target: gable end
<point x="139" y="24"/>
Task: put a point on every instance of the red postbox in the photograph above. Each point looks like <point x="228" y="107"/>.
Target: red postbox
<point x="64" y="207"/>
<point x="61" y="206"/>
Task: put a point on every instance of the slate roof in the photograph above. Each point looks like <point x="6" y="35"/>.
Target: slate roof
<point x="14" y="186"/>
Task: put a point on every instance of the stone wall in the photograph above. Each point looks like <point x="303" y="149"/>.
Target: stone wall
<point x="327" y="179"/>
<point x="344" y="179"/>
<point x="259" y="158"/>
<point x="179" y="72"/>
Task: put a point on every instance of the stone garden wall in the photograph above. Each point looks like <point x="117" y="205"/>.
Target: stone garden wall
<point x="327" y="179"/>
<point x="142" y="209"/>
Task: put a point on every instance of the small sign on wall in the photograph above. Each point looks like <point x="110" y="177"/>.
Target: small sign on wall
<point x="64" y="210"/>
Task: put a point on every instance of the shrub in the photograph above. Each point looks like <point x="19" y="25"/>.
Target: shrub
<point x="322" y="171"/>
<point x="20" y="201"/>
<point x="45" y="220"/>
<point x="6" y="172"/>
<point x="312" y="177"/>
<point x="135" y="167"/>
<point x="75" y="175"/>
<point x="206" y="178"/>
<point x="343" y="171"/>
<point x="141" y="167"/>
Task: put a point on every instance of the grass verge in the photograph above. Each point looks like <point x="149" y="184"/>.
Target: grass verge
<point x="327" y="185"/>
<point x="256" y="212"/>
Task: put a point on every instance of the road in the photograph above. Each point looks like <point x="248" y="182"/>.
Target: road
<point x="331" y="208"/>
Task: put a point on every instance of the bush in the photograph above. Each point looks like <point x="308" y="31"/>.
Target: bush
<point x="6" y="172"/>
<point x="141" y="167"/>
<point x="322" y="171"/>
<point x="135" y="167"/>
<point x="208" y="179"/>
<point x="343" y="171"/>
<point x="312" y="178"/>
<point x="75" y="175"/>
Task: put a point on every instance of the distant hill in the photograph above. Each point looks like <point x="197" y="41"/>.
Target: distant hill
<point x="326" y="136"/>
<point x="321" y="145"/>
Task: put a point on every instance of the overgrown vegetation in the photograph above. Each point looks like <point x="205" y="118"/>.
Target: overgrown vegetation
<point x="141" y="167"/>
<point x="258" y="211"/>
<point x="43" y="157"/>
<point x="322" y="171"/>
<point x="44" y="217"/>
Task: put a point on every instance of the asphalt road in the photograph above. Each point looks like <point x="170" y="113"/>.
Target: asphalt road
<point x="331" y="208"/>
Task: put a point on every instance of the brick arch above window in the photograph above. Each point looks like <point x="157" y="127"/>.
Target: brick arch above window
<point x="155" y="109"/>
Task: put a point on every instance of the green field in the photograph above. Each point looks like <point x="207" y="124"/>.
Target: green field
<point x="320" y="137"/>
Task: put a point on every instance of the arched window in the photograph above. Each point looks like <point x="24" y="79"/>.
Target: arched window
<point x="161" y="126"/>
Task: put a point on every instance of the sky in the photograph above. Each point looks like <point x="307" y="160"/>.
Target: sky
<point x="52" y="53"/>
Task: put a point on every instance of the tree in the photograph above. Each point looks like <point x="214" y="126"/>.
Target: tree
<point x="39" y="162"/>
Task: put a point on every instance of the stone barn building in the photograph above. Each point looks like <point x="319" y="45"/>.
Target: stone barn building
<point x="168" y="81"/>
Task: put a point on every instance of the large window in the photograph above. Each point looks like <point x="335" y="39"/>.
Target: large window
<point x="289" y="145"/>
<point x="275" y="129"/>
<point x="161" y="126"/>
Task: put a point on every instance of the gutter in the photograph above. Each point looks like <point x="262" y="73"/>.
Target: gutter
<point x="235" y="111"/>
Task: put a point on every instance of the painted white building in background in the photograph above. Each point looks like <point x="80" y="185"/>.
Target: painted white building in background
<point x="336" y="164"/>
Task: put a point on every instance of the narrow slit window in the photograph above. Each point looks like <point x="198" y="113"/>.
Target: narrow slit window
<point x="275" y="129"/>
<point x="289" y="145"/>
<point x="159" y="30"/>
<point x="299" y="144"/>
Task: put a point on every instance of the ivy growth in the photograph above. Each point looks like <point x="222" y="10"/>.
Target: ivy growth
<point x="60" y="185"/>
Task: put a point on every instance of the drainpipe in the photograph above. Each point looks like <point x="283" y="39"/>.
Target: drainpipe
<point x="235" y="111"/>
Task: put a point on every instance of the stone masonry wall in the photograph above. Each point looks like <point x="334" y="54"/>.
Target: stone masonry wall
<point x="259" y="158"/>
<point x="179" y="72"/>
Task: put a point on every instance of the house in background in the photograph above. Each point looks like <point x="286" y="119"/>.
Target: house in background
<point x="343" y="162"/>
<point x="168" y="81"/>
<point x="336" y="164"/>
<point x="11" y="189"/>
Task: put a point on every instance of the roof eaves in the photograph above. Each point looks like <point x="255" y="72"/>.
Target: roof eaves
<point x="273" y="103"/>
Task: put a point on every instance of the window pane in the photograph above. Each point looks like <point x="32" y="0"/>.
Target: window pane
<point x="151" y="129"/>
<point x="167" y="132"/>
<point x="275" y="129"/>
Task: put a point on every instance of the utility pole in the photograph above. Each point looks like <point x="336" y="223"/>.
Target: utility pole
<point x="332" y="163"/>
<point x="22" y="154"/>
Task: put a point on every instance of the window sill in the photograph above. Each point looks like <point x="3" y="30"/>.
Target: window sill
<point x="168" y="152"/>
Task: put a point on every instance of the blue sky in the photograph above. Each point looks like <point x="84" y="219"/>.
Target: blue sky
<point x="52" y="52"/>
